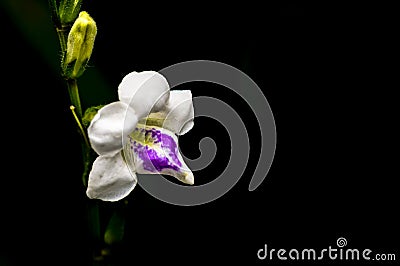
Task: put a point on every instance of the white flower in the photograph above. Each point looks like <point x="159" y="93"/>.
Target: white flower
<point x="143" y="123"/>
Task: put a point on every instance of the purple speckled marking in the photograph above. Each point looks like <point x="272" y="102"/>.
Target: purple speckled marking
<point x="158" y="160"/>
<point x="155" y="134"/>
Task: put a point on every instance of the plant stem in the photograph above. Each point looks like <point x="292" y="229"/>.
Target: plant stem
<point x="85" y="147"/>
<point x="76" y="103"/>
<point x="74" y="97"/>
<point x="54" y="12"/>
<point x="76" y="109"/>
<point x="73" y="91"/>
<point x="62" y="33"/>
<point x="79" y="125"/>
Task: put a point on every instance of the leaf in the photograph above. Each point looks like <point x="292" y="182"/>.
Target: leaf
<point x="89" y="114"/>
<point x="115" y="230"/>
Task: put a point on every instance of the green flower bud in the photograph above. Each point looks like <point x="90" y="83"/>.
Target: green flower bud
<point x="79" y="45"/>
<point x="68" y="10"/>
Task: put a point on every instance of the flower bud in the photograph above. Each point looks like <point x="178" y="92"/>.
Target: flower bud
<point x="68" y="10"/>
<point x="79" y="45"/>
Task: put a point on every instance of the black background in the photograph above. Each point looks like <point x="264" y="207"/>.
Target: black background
<point x="326" y="72"/>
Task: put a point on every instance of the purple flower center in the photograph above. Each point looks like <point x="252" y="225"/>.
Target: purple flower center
<point x="159" y="151"/>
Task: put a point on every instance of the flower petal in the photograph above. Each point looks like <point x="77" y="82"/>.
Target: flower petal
<point x="110" y="127"/>
<point x="154" y="150"/>
<point x="144" y="92"/>
<point x="110" y="179"/>
<point x="178" y="115"/>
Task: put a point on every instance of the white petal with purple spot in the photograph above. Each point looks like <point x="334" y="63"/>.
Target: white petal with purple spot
<point x="155" y="150"/>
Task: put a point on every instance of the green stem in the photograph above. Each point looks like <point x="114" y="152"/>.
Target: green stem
<point x="86" y="164"/>
<point x="79" y="125"/>
<point x="62" y="33"/>
<point x="93" y="211"/>
<point x="76" y="108"/>
<point x="54" y="12"/>
<point x="73" y="91"/>
<point x="85" y="147"/>
<point x="74" y="97"/>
